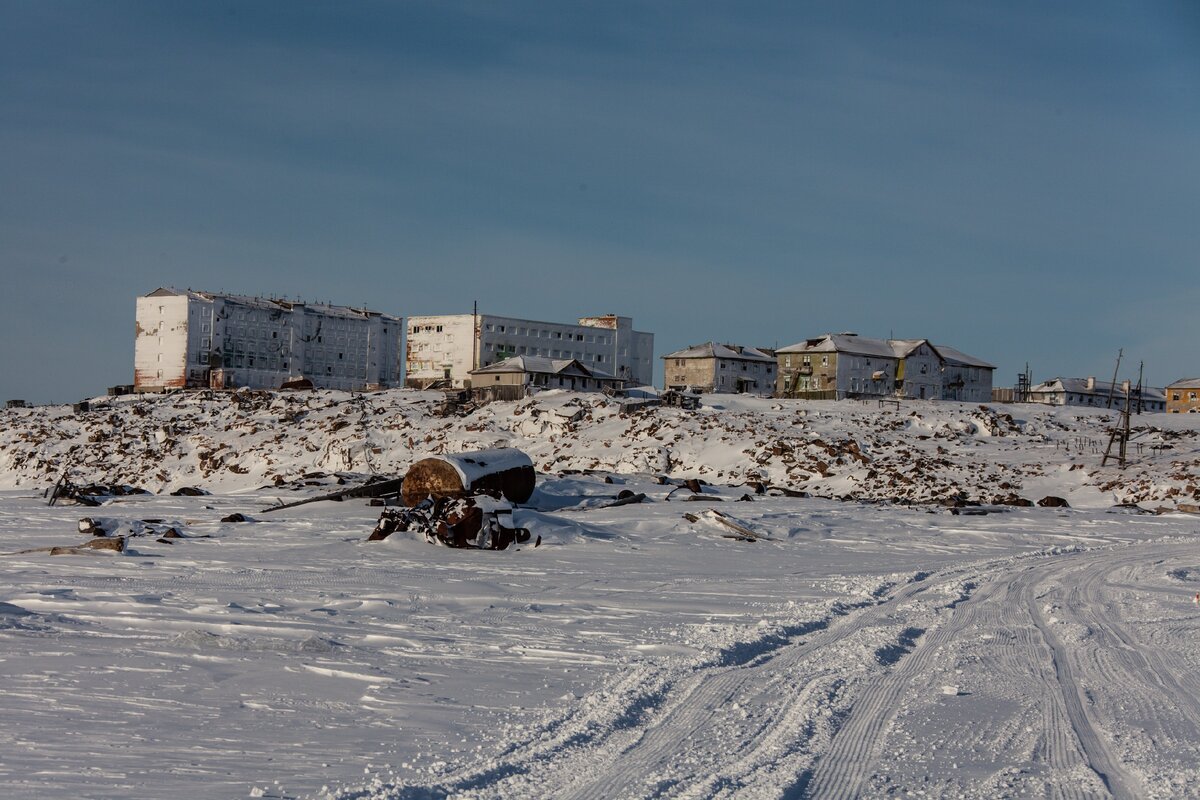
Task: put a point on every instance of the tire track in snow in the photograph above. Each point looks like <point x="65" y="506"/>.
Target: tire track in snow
<point x="1072" y="739"/>
<point x="854" y="751"/>
<point x="1094" y="749"/>
<point x="626" y="742"/>
<point x="759" y="684"/>
<point x="1152" y="694"/>
<point x="817" y="724"/>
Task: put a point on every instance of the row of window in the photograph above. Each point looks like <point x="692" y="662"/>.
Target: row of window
<point x="807" y="361"/>
<point x="543" y="333"/>
<point x="745" y="365"/>
<point x="503" y="351"/>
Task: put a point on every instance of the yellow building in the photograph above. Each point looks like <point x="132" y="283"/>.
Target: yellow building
<point x="1183" y="396"/>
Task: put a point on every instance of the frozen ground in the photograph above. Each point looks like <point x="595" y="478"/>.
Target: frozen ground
<point x="857" y="649"/>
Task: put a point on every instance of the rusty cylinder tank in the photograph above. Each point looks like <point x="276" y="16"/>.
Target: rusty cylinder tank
<point x="507" y="471"/>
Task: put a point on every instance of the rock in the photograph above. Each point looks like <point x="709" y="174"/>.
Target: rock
<point x="1050" y="501"/>
<point x="92" y="526"/>
<point x="115" y="544"/>
<point x="235" y="517"/>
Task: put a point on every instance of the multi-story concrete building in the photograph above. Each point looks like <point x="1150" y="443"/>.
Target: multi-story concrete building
<point x="200" y="339"/>
<point x="713" y="367"/>
<point x="839" y="365"/>
<point x="1096" y="394"/>
<point x="446" y="348"/>
<point x="1183" y="396"/>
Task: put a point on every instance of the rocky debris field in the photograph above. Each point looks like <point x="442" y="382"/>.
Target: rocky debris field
<point x="921" y="452"/>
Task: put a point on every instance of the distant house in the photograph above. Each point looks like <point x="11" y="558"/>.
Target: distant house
<point x="543" y="373"/>
<point x="1092" y="393"/>
<point x="713" y="367"/>
<point x="1183" y="396"/>
<point x="841" y="365"/>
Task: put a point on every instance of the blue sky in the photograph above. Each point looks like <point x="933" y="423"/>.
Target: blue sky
<point x="1018" y="180"/>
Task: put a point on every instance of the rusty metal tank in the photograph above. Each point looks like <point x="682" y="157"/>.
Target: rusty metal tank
<point x="506" y="471"/>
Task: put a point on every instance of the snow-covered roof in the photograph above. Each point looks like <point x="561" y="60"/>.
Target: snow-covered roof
<point x="472" y="466"/>
<point x="543" y="365"/>
<point x="270" y="303"/>
<point x="842" y="343"/>
<point x="730" y="351"/>
<point x="1102" y="388"/>
<point x="1185" y="383"/>
<point x="904" y="347"/>
<point x="959" y="358"/>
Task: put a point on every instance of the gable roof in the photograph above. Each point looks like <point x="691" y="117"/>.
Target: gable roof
<point x="546" y="366"/>
<point x="959" y="358"/>
<point x="730" y="351"/>
<point x="854" y="344"/>
<point x="842" y="343"/>
<point x="1184" y="383"/>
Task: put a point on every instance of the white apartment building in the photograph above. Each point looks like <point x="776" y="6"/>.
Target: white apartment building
<point x="449" y="347"/>
<point x="200" y="339"/>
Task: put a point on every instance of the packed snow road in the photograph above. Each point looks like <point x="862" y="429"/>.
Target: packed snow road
<point x="930" y="687"/>
<point x="853" y="651"/>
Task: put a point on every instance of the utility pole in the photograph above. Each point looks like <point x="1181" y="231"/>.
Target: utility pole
<point x="1120" y="433"/>
<point x="1141" y="365"/>
<point x="1113" y="386"/>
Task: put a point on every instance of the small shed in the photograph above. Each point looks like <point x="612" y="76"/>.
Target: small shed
<point x="507" y="471"/>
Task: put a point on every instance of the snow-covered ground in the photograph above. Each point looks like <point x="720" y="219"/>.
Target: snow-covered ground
<point x="860" y="647"/>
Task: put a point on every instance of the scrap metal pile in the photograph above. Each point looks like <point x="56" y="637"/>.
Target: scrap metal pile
<point x="480" y="521"/>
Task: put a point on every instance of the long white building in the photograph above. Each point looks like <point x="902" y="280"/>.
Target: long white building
<point x="200" y="339"/>
<point x="447" y="348"/>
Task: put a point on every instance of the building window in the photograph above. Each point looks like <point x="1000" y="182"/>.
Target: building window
<point x="824" y="361"/>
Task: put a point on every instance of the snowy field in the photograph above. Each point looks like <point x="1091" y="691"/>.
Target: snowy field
<point x="862" y="647"/>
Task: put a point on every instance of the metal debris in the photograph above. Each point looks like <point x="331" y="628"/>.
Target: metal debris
<point x="482" y="522"/>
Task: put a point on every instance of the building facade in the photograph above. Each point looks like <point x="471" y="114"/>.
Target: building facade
<point x="188" y="339"/>
<point x="712" y="367"/>
<point x="1183" y="396"/>
<point x="842" y="365"/>
<point x="1092" y="393"/>
<point x="445" y="349"/>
